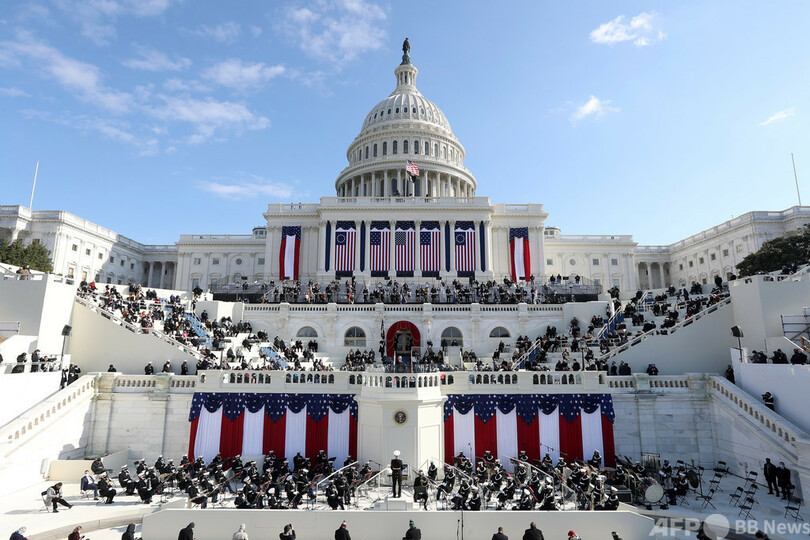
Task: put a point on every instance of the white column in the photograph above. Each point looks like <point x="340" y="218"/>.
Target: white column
<point x="321" y="243"/>
<point x="367" y="243"/>
<point x="488" y="247"/>
<point x="332" y="264"/>
<point x="149" y="279"/>
<point x="373" y="185"/>
<point x="385" y="183"/>
<point x="661" y="273"/>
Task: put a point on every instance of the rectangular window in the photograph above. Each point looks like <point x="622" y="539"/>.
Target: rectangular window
<point x="100" y="256"/>
<point x="680" y="267"/>
<point x="713" y="257"/>
<point x="725" y="253"/>
<point x="112" y="259"/>
<point x="550" y="262"/>
<point x="215" y="261"/>
<point x="196" y="260"/>
<point x="75" y="247"/>
<point x="261" y="261"/>
<point x="132" y="266"/>
<point x="615" y="282"/>
<point x="70" y="272"/>
<point x="87" y="252"/>
<point x="195" y="283"/>
<point x="691" y="264"/>
<point x="700" y="260"/>
<point x="596" y="262"/>
<point x="614" y="262"/>
<point x="121" y="262"/>
<point x="739" y="248"/>
<point x="84" y="275"/>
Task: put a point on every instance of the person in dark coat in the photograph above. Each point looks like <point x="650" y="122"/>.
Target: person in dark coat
<point x="533" y="533"/>
<point x="413" y="533"/>
<point x="187" y="533"/>
<point x="769" y="471"/>
<point x="499" y="535"/>
<point x="288" y="534"/>
<point x="19" y="534"/>
<point x="342" y="533"/>
<point x="783" y="479"/>
<point x="130" y="532"/>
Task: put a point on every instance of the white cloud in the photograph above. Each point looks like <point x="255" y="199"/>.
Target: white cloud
<point x="82" y="79"/>
<point x="226" y="32"/>
<point x="153" y="60"/>
<point x="781" y="115"/>
<point x="255" y="31"/>
<point x="256" y="185"/>
<point x="207" y="116"/>
<point x="13" y="92"/>
<point x="97" y="18"/>
<point x="243" y="76"/>
<point x="180" y="85"/>
<point x="640" y="30"/>
<point x="594" y="107"/>
<point x="337" y="30"/>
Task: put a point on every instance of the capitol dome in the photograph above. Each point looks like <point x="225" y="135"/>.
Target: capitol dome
<point x="405" y="126"/>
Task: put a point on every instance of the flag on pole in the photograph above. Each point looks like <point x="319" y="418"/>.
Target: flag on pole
<point x="288" y="255"/>
<point x="520" y="255"/>
<point x="411" y="168"/>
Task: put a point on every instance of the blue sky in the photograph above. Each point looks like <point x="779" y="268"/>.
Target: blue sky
<point x="157" y="118"/>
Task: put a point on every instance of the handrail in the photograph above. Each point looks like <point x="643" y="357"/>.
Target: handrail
<point x="523" y="357"/>
<point x="26" y="425"/>
<point x="665" y="331"/>
<point x="137" y="329"/>
<point x="756" y="412"/>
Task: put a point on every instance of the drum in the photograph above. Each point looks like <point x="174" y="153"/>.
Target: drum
<point x="651" y="490"/>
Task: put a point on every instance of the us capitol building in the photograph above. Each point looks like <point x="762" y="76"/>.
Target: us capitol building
<point x="376" y="202"/>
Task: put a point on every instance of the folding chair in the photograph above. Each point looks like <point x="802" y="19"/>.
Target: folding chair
<point x="735" y="497"/>
<point x="793" y="507"/>
<point x="707" y="499"/>
<point x="714" y="483"/>
<point x="745" y="508"/>
<point x="44" y="502"/>
<point x="751" y="491"/>
<point x="721" y="468"/>
<point x="751" y="478"/>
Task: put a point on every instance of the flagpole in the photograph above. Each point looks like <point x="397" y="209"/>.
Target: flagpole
<point x="36" y="171"/>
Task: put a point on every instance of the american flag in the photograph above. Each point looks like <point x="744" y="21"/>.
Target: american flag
<point x="234" y="404"/>
<point x="404" y="244"/>
<point x="465" y="247"/>
<point x="411" y="168"/>
<point x="430" y="248"/>
<point x="380" y="241"/>
<point x="344" y="246"/>
<point x="318" y="406"/>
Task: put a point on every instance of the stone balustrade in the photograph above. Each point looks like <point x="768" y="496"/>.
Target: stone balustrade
<point x="749" y="407"/>
<point x="46" y="413"/>
<point x="403" y="308"/>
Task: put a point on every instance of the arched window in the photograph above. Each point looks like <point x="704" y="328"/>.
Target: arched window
<point x="307" y="332"/>
<point x="427" y="148"/>
<point x="354" y="337"/>
<point x="385" y="148"/>
<point x="451" y="336"/>
<point x="435" y="150"/>
<point x="405" y="146"/>
<point x="499" y="332"/>
<point x="415" y="147"/>
<point x="394" y="148"/>
<point x="366" y="152"/>
<point x="444" y="152"/>
<point x="375" y="149"/>
<point x="405" y="110"/>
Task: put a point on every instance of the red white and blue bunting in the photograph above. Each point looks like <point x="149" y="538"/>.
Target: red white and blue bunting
<point x="232" y="423"/>
<point x="571" y="425"/>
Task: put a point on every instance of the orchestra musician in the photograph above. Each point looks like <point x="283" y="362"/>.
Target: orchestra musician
<point x="105" y="489"/>
<point x="475" y="500"/>
<point x="195" y="497"/>
<point x="126" y="481"/>
<point x="145" y="488"/>
<point x="433" y="472"/>
<point x="446" y="487"/>
<point x="333" y="498"/>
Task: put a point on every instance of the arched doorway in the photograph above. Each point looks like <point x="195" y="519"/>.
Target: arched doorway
<point x="400" y="338"/>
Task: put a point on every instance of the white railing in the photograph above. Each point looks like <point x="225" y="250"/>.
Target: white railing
<point x="664" y="331"/>
<point x="748" y="407"/>
<point x="45" y="414"/>
<point x="138" y="330"/>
